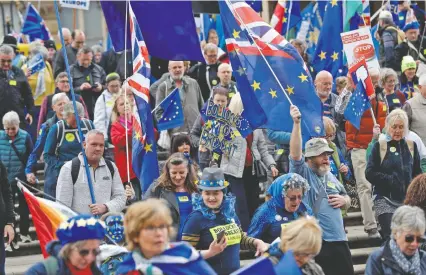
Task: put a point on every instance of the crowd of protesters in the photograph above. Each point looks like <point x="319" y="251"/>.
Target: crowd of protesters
<point x="203" y="208"/>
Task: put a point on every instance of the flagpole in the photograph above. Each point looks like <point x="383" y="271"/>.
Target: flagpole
<point x="260" y="51"/>
<point x="125" y="94"/>
<point x="288" y="18"/>
<point x="77" y="117"/>
<point x="384" y="2"/>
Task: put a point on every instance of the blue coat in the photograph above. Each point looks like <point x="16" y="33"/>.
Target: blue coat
<point x="10" y="159"/>
<point x="270" y="218"/>
<point x="53" y="249"/>
<point x="381" y="262"/>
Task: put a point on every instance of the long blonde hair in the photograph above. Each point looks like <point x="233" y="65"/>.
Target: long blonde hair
<point x="114" y="114"/>
<point x="302" y="236"/>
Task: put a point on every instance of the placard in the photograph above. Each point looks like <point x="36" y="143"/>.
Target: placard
<point x="75" y="4"/>
<point x="358" y="44"/>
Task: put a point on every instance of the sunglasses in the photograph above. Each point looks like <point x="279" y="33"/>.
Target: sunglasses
<point x="295" y="198"/>
<point x="410" y="239"/>
<point x="85" y="252"/>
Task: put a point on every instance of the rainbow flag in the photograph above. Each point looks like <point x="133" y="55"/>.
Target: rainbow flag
<point x="47" y="215"/>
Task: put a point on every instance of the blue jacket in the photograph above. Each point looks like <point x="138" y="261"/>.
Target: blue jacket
<point x="39" y="145"/>
<point x="55" y="156"/>
<point x="10" y="159"/>
<point x="53" y="249"/>
<point x="280" y="138"/>
<point x="381" y="262"/>
<point x="269" y="219"/>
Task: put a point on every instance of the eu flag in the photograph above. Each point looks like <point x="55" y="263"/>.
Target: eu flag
<point x="309" y="27"/>
<point x="172" y="115"/>
<point x="167" y="26"/>
<point x="292" y="16"/>
<point x="36" y="64"/>
<point x="358" y="104"/>
<point x="34" y="25"/>
<point x="329" y="52"/>
<point x="255" y="4"/>
<point x="254" y="61"/>
<point x="287" y="265"/>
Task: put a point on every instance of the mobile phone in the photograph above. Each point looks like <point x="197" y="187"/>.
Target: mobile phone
<point x="220" y="235"/>
<point x="94" y="86"/>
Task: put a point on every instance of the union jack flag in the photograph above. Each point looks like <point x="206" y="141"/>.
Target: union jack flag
<point x="269" y="71"/>
<point x="144" y="153"/>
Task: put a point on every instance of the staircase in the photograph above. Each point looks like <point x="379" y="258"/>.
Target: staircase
<point x="360" y="244"/>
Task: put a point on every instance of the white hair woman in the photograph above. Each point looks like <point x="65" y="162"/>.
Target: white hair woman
<point x="401" y="255"/>
<point x="15" y="147"/>
<point x="392" y="165"/>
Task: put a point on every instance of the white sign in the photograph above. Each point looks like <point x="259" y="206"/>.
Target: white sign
<point x="75" y="4"/>
<point x="358" y="44"/>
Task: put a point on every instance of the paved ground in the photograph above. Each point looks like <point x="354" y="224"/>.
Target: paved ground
<point x="18" y="265"/>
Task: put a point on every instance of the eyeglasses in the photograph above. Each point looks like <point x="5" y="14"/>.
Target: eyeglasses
<point x="294" y="198"/>
<point x="6" y="61"/>
<point x="393" y="81"/>
<point x="64" y="81"/>
<point x="212" y="56"/>
<point x="410" y="238"/>
<point x="10" y="128"/>
<point x="79" y="42"/>
<point x="153" y="229"/>
<point x="85" y="252"/>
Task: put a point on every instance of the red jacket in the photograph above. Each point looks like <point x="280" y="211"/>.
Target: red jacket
<point x="361" y="138"/>
<point x="118" y="138"/>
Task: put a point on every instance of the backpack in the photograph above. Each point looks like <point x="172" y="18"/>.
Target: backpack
<point x="60" y="135"/>
<point x="384" y="148"/>
<point x="399" y="33"/>
<point x="51" y="265"/>
<point x="76" y="164"/>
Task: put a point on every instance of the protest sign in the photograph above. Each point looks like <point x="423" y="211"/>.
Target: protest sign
<point x="36" y="64"/>
<point x="358" y="44"/>
<point x="75" y="4"/>
<point x="221" y="128"/>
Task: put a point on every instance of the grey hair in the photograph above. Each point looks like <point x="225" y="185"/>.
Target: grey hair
<point x="210" y="47"/>
<point x="408" y="219"/>
<point x="85" y="50"/>
<point x="299" y="43"/>
<point x="69" y="109"/>
<point x="395" y="115"/>
<point x="37" y="48"/>
<point x="94" y="132"/>
<point x="387" y="21"/>
<point x="60" y="76"/>
<point x="374" y="71"/>
<point x="97" y="49"/>
<point x="58" y="97"/>
<point x="224" y="65"/>
<point x="6" y="50"/>
<point x="384" y="74"/>
<point x="296" y="182"/>
<point x="11" y="118"/>
<point x="65" y="31"/>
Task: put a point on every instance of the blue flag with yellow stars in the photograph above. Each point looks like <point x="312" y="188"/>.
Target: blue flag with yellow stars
<point x="255" y="60"/>
<point x="329" y="52"/>
<point x="172" y="116"/>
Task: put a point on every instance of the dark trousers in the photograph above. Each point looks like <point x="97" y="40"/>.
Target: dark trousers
<point x="385" y="225"/>
<point x="246" y="190"/>
<point x="335" y="258"/>
<point x="2" y="254"/>
<point x="32" y="129"/>
<point x="23" y="211"/>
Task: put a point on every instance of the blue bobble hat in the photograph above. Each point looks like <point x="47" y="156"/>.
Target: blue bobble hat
<point x="212" y="179"/>
<point x="414" y="25"/>
<point x="80" y="228"/>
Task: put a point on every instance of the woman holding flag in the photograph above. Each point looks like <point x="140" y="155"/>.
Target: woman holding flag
<point x="148" y="229"/>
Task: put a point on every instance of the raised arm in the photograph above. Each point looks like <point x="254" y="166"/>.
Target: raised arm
<point x="296" y="134"/>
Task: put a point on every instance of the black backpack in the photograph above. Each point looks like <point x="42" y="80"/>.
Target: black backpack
<point x="75" y="168"/>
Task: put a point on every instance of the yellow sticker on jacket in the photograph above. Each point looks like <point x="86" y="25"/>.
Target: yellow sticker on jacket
<point x="12" y="82"/>
<point x="70" y="137"/>
<point x="230" y="95"/>
<point x="183" y="198"/>
<point x="396" y="100"/>
<point x="280" y="151"/>
<point x="232" y="233"/>
<point x="284" y="225"/>
<point x="384" y="108"/>
<point x="109" y="103"/>
<point x="331" y="185"/>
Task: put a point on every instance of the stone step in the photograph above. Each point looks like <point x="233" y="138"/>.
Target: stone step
<point x="359" y="239"/>
<point x="360" y="255"/>
<point x="359" y="269"/>
<point x="353" y="218"/>
<point x="26" y="249"/>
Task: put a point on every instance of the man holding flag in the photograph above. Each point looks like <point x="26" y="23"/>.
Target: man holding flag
<point x="189" y="92"/>
<point x="359" y="132"/>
